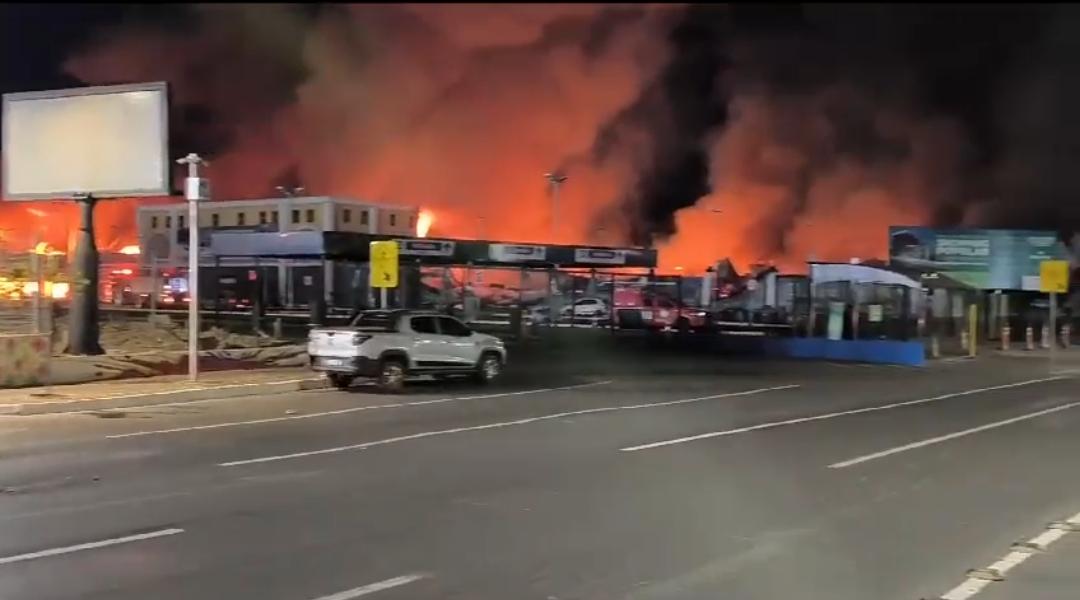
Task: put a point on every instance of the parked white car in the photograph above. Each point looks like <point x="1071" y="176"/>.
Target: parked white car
<point x="586" y="308"/>
<point x="389" y="346"/>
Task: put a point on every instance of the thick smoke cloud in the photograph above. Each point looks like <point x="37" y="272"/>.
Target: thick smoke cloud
<point x="842" y="122"/>
<point x="772" y="132"/>
<point x="460" y="109"/>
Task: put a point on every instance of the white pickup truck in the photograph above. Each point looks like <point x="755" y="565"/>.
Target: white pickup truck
<point x="392" y="345"/>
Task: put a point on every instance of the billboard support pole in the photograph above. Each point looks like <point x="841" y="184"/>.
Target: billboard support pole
<point x="83" y="327"/>
<point x="35" y="263"/>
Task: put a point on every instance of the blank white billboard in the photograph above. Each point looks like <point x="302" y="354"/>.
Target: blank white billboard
<point x="107" y="141"/>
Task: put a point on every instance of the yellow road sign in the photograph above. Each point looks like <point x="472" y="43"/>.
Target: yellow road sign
<point x="1054" y="276"/>
<point x="384" y="264"/>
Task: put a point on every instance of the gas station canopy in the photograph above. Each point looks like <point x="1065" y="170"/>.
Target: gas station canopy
<point x="355" y="247"/>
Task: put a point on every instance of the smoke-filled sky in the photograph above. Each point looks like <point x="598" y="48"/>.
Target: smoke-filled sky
<point x="770" y="132"/>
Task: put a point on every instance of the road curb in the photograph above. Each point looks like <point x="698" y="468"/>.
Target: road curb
<point x="160" y="398"/>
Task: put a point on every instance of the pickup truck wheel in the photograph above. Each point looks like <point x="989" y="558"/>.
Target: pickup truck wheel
<point x="489" y="368"/>
<point x="340" y="380"/>
<point x="391" y="376"/>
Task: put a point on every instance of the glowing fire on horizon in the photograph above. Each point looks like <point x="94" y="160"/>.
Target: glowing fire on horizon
<point x="424" y="222"/>
<point x="131" y="250"/>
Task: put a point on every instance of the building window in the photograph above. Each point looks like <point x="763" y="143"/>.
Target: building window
<point x="393" y="220"/>
<point x="309" y="215"/>
<point x="180" y="221"/>
<point x="295" y="216"/>
<point x="262" y="217"/>
<point x="168" y="221"/>
<point x="363" y="217"/>
<point x="346" y="216"/>
<point x="240" y="219"/>
<point x="153" y="222"/>
<point x="215" y="220"/>
<point x="274" y="217"/>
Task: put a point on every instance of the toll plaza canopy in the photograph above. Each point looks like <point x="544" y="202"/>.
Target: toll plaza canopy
<point x="355" y="247"/>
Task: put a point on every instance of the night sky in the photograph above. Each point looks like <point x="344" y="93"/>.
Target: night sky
<point x="789" y="118"/>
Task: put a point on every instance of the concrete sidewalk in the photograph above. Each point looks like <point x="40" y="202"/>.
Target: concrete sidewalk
<point x="146" y="391"/>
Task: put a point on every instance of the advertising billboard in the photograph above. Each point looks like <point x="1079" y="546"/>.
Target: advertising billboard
<point x="109" y="141"/>
<point x="988" y="259"/>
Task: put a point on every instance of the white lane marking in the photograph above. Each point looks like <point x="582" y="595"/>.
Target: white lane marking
<point x="229" y="386"/>
<point x="371" y="588"/>
<point x="425" y="434"/>
<point x="344" y="411"/>
<point x="950" y="436"/>
<point x="93" y="506"/>
<point x="89" y="546"/>
<point x="1010" y="560"/>
<point x="975" y="583"/>
<point x="967" y="589"/>
<point x="1047" y="537"/>
<point x="833" y="415"/>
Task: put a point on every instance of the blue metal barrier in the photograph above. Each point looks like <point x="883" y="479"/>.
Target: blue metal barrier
<point x="867" y="351"/>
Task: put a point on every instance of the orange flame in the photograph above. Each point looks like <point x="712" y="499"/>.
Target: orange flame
<point x="424" y="223"/>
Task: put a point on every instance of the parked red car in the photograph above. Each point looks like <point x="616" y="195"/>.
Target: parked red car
<point x="636" y="309"/>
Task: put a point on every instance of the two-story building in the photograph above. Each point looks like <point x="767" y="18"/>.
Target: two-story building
<point x="162" y="231"/>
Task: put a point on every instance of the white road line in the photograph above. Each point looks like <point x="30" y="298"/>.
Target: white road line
<point x="1047" y="537"/>
<point x="833" y="415"/>
<point x="93" y="506"/>
<point x="351" y="410"/>
<point x="89" y="546"/>
<point x="230" y="386"/>
<point x="965" y="590"/>
<point x="951" y="436"/>
<point x="975" y="583"/>
<point x="425" y="434"/>
<point x="371" y="588"/>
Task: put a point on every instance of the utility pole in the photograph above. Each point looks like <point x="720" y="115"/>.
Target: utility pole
<point x="556" y="179"/>
<point x="196" y="189"/>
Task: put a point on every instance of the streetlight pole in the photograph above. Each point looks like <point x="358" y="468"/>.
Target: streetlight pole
<point x="556" y="179"/>
<point x="196" y="189"/>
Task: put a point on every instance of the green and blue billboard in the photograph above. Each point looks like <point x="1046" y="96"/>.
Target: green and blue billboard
<point x="989" y="259"/>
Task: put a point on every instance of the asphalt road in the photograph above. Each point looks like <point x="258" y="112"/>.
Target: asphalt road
<point x="643" y="477"/>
